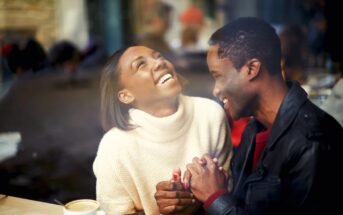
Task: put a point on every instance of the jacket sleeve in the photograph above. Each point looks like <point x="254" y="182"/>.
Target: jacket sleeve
<point x="223" y="205"/>
<point x="298" y="185"/>
<point x="223" y="148"/>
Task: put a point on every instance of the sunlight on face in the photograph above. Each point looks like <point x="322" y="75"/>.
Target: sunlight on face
<point x="147" y="76"/>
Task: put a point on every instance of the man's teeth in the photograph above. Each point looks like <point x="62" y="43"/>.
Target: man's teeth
<point x="164" y="78"/>
<point x="225" y="101"/>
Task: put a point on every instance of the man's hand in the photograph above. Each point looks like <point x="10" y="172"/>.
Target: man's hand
<point x="171" y="196"/>
<point x="206" y="177"/>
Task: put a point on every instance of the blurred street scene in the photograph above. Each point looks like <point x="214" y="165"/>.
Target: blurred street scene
<point x="52" y="53"/>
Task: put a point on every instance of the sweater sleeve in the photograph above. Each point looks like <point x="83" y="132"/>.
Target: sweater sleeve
<point x="110" y="190"/>
<point x="224" y="145"/>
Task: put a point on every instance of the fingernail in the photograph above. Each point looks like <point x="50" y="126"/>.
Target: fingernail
<point x="175" y="176"/>
<point x="186" y="185"/>
<point x="193" y="200"/>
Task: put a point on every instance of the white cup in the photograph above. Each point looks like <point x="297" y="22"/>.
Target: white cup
<point x="83" y="207"/>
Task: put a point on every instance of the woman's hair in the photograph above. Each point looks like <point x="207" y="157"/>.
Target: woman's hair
<point x="113" y="112"/>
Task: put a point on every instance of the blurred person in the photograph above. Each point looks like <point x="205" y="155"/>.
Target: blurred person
<point x="5" y="52"/>
<point x="22" y="59"/>
<point x="286" y="161"/>
<point x="158" y="22"/>
<point x="316" y="38"/>
<point x="33" y="57"/>
<point x="293" y="46"/>
<point x="66" y="55"/>
<point x="333" y="37"/>
<point x="192" y="20"/>
<point x="154" y="130"/>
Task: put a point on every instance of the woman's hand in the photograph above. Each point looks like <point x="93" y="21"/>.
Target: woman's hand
<point x="172" y="197"/>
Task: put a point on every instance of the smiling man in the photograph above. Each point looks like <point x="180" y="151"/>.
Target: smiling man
<point x="285" y="163"/>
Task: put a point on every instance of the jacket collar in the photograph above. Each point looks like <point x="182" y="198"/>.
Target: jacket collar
<point x="289" y="109"/>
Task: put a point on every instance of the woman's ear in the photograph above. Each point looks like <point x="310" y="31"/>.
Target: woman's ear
<point x="125" y="96"/>
<point x="254" y="67"/>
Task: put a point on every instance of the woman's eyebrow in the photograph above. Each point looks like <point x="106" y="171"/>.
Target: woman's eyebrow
<point x="154" y="53"/>
<point x="134" y="60"/>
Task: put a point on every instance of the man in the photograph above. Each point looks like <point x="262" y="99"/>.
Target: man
<point x="285" y="163"/>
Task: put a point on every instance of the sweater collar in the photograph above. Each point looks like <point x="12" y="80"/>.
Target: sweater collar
<point x="163" y="128"/>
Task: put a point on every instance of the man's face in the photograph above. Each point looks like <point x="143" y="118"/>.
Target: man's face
<point x="230" y="84"/>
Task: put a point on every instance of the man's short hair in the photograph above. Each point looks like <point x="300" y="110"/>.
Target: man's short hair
<point x="247" y="38"/>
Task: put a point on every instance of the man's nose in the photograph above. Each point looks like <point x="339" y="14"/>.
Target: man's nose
<point x="215" y="91"/>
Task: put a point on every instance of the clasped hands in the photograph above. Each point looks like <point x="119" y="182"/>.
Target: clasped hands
<point x="202" y="178"/>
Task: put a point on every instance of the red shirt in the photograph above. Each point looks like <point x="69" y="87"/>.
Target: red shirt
<point x="261" y="142"/>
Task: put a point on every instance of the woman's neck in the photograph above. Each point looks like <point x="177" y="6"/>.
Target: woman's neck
<point x="161" y="108"/>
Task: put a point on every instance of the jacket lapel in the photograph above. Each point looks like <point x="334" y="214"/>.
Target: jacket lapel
<point x="247" y="152"/>
<point x="288" y="111"/>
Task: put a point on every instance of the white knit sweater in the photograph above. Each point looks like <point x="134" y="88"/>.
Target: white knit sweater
<point x="129" y="164"/>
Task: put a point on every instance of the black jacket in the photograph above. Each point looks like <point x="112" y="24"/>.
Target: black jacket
<point x="299" y="169"/>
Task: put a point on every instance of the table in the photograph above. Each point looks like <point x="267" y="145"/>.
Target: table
<point x="10" y="205"/>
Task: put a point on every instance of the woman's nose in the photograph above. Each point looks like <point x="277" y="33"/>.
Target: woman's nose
<point x="159" y="64"/>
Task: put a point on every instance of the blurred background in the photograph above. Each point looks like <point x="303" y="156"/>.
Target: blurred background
<point x="52" y="53"/>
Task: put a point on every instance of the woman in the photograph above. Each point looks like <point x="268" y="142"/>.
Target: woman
<point x="154" y="130"/>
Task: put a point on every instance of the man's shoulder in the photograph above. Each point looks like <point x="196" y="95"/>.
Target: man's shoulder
<point x="315" y="118"/>
<point x="312" y="124"/>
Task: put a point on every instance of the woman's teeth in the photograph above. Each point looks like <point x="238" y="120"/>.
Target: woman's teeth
<point x="165" y="78"/>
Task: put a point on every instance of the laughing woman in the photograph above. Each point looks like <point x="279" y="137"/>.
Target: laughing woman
<point x="152" y="130"/>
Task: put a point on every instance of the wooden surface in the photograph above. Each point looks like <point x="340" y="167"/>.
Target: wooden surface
<point x="17" y="206"/>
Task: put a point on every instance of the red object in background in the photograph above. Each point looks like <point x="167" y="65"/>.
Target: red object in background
<point x="191" y="16"/>
<point x="6" y="49"/>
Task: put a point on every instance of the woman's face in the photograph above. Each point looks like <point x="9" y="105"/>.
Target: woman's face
<point x="146" y="77"/>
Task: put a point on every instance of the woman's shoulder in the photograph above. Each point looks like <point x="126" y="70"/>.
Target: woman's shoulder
<point x="206" y="104"/>
<point x="115" y="140"/>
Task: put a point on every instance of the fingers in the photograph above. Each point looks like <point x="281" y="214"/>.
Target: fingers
<point x="212" y="161"/>
<point x="194" y="168"/>
<point x="165" y="185"/>
<point x="172" y="209"/>
<point x="209" y="160"/>
<point x="169" y="186"/>
<point x="176" y="177"/>
<point x="186" y="179"/>
<point x="173" y="195"/>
